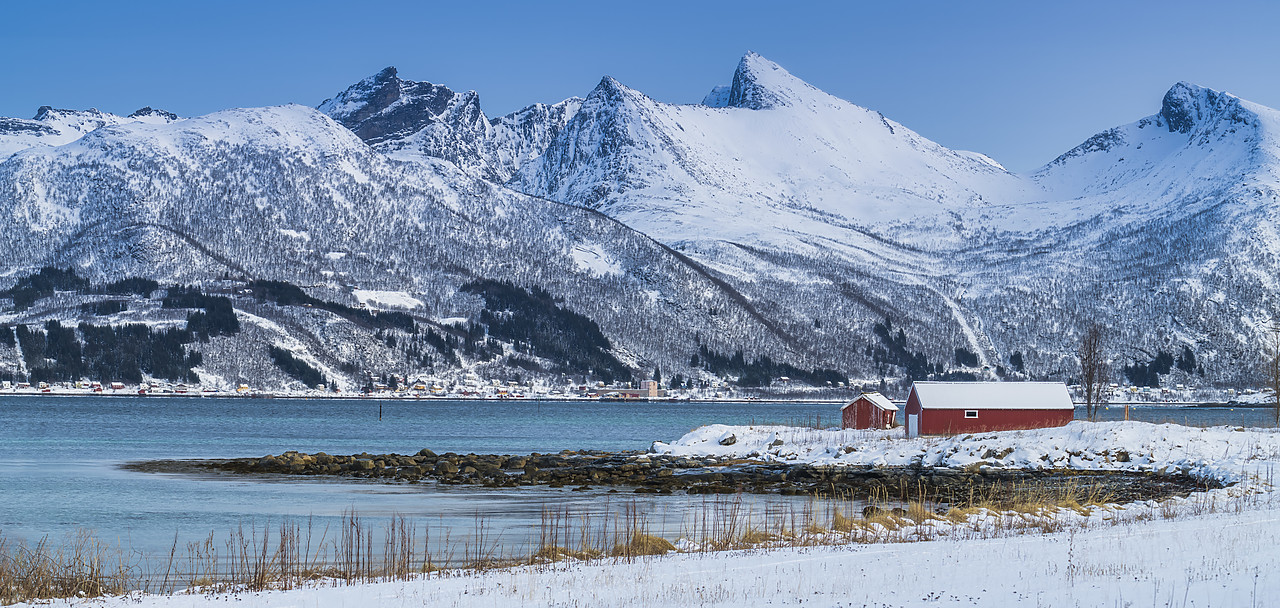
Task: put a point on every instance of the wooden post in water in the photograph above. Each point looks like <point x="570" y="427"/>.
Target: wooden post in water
<point x="379" y="411"/>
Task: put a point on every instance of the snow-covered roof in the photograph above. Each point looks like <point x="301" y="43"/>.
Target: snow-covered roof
<point x="879" y="400"/>
<point x="993" y="395"/>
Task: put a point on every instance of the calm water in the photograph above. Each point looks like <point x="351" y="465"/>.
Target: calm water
<point x="59" y="459"/>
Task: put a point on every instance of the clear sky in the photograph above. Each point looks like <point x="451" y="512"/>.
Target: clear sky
<point x="1022" y="81"/>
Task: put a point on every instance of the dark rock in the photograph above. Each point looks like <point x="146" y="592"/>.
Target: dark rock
<point x="444" y="467"/>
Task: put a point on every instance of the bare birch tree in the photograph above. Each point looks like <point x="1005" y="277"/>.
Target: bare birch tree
<point x="1273" y="369"/>
<point x="1094" y="372"/>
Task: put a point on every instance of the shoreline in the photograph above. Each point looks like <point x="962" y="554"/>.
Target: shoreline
<point x="1239" y="460"/>
<point x="375" y="397"/>
<point x="558" y="399"/>
<point x="660" y="474"/>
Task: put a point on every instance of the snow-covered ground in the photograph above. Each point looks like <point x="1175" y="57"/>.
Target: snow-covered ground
<point x="1221" y="559"/>
<point x="1229" y="454"/>
<point x="1216" y="548"/>
<point x="389" y="299"/>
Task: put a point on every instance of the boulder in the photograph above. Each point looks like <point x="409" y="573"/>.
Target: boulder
<point x="444" y="467"/>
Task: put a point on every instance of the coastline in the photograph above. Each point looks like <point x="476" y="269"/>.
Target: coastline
<point x="315" y="395"/>
<point x="1061" y="550"/>
<point x="403" y="397"/>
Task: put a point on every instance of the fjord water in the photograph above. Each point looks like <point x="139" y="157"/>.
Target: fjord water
<point x="60" y="457"/>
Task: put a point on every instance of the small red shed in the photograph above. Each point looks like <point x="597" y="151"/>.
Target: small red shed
<point x="870" y="411"/>
<point x="945" y="408"/>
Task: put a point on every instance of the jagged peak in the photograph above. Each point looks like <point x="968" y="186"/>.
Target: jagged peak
<point x="383" y="77"/>
<point x="148" y="111"/>
<point x="564" y="108"/>
<point x="610" y="89"/>
<point x="760" y="84"/>
<point x="384" y="105"/>
<point x="1186" y="105"/>
<point x="466" y="110"/>
<point x="609" y="83"/>
<point x="48" y="112"/>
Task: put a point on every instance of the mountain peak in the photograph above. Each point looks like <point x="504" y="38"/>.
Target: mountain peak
<point x="49" y="113"/>
<point x="383" y="105"/>
<point x="1186" y="105"/>
<point x="150" y="112"/>
<point x="760" y="84"/>
<point x="610" y="84"/>
<point x="611" y="90"/>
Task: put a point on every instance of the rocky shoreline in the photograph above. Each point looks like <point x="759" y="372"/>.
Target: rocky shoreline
<point x="640" y="472"/>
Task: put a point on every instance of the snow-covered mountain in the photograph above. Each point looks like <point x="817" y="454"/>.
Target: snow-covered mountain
<point x="285" y="193"/>
<point x="773" y="162"/>
<point x="816" y="208"/>
<point x="416" y="120"/>
<point x="53" y="127"/>
<point x="772" y="218"/>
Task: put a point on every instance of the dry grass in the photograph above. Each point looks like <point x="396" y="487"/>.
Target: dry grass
<point x="642" y="544"/>
<point x="81" y="567"/>
<point x="294" y="553"/>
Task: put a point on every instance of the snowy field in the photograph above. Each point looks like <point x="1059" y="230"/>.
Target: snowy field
<point x="1227" y="560"/>
<point x="1216" y="548"/>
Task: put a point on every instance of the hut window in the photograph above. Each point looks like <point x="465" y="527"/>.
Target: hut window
<point x="971" y="413"/>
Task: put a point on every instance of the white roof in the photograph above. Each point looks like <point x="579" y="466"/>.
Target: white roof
<point x="993" y="395"/>
<point x="879" y="400"/>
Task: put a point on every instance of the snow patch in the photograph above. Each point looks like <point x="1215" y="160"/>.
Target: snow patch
<point x="592" y="258"/>
<point x="388" y="299"/>
<point x="294" y="234"/>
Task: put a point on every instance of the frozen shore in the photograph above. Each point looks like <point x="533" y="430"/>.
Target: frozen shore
<point x="1218" y="559"/>
<point x="1215" y="548"/>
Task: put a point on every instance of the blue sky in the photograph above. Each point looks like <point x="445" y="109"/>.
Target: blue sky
<point x="1021" y="81"/>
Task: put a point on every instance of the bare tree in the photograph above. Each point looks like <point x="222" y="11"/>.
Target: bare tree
<point x="1273" y="369"/>
<point x="1094" y="372"/>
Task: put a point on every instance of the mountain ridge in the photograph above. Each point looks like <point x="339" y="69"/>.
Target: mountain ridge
<point x="772" y="219"/>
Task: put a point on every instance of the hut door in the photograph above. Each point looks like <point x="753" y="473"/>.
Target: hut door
<point x="913" y="425"/>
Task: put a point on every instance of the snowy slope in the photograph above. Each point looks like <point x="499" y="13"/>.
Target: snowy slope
<point x="1201" y="146"/>
<point x="779" y="164"/>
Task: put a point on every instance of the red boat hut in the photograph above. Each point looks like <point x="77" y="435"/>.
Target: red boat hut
<point x="870" y="411"/>
<point x="948" y="408"/>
